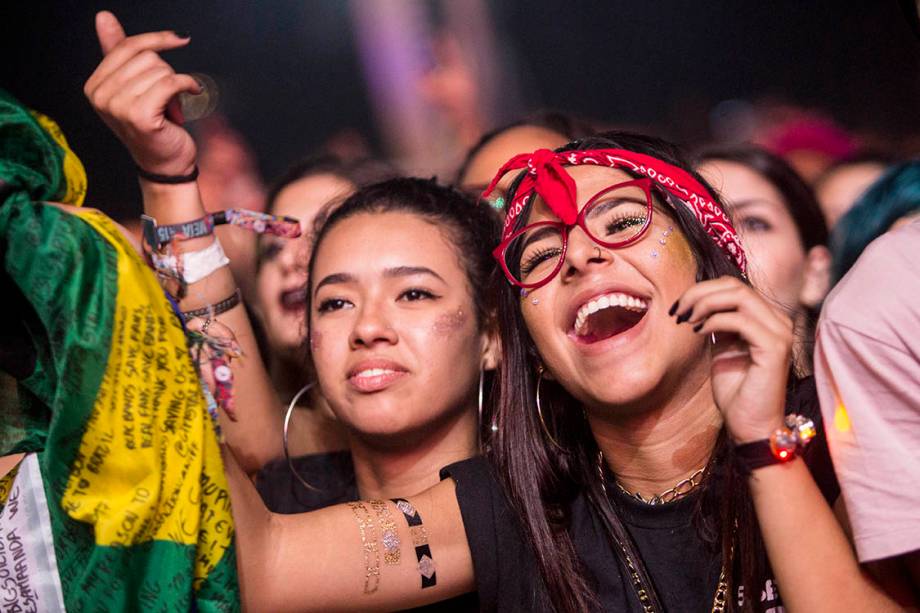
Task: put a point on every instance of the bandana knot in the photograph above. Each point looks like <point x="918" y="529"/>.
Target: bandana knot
<point x="554" y="184"/>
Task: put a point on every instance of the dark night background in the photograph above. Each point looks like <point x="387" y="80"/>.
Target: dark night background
<point x="290" y="76"/>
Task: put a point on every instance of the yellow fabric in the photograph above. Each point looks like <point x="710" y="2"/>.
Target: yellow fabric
<point x="149" y="465"/>
<point x="74" y="173"/>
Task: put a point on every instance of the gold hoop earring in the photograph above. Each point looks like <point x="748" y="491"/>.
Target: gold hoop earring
<point x="546" y="431"/>
<point x="284" y="431"/>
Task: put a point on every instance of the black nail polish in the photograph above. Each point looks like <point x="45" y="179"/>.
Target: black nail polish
<point x="698" y="327"/>
<point x="685" y="315"/>
<point x="182" y="34"/>
<point x="673" y="308"/>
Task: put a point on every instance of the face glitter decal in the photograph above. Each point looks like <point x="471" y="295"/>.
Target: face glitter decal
<point x="448" y="323"/>
<point x="316" y="338"/>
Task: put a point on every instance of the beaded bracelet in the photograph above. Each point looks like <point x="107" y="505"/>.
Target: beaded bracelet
<point x="213" y="310"/>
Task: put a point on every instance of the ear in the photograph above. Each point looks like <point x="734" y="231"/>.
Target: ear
<point x="817" y="279"/>
<point x="491" y="353"/>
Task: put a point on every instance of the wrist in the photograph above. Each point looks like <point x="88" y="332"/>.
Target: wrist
<point x="784" y="444"/>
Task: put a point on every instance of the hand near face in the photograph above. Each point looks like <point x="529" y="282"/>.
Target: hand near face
<point x="751" y="357"/>
<point x="134" y="92"/>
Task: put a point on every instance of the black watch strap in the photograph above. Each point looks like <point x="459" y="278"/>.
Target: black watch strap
<point x="758" y="454"/>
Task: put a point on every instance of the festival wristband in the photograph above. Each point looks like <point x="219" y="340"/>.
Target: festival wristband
<point x="213" y="310"/>
<point x="192" y="266"/>
<point x="420" y="541"/>
<point x="784" y="444"/>
<point x="262" y="223"/>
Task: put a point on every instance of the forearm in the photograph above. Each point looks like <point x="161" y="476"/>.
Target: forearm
<point x="328" y="560"/>
<point x="256" y="435"/>
<point x="813" y="562"/>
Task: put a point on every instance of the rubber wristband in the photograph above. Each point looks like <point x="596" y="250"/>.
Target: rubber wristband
<point x="167" y="179"/>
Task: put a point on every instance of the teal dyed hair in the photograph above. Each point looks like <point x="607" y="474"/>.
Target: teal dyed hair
<point x="894" y="195"/>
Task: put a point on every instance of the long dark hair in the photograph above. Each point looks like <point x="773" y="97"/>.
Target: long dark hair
<point x="542" y="481"/>
<point x="470" y="225"/>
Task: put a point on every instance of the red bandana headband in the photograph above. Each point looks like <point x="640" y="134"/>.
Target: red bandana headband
<point x="547" y="176"/>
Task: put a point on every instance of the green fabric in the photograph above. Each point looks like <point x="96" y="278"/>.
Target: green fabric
<point x="31" y="162"/>
<point x="68" y="274"/>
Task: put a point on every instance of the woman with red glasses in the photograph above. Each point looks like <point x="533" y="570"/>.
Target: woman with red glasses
<point x="641" y="460"/>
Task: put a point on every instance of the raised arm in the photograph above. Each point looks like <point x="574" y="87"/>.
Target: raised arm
<point x="134" y="91"/>
<point x="814" y="564"/>
<point x="350" y="557"/>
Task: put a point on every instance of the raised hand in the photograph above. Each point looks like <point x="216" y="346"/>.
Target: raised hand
<point x="134" y="91"/>
<point x="750" y="362"/>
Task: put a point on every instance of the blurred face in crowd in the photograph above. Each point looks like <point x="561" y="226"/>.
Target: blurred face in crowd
<point x="838" y="190"/>
<point x="394" y="333"/>
<point x="283" y="262"/>
<point x="778" y="264"/>
<point x="520" y="139"/>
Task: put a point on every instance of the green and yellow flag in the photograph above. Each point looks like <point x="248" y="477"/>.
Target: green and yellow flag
<point x="121" y="501"/>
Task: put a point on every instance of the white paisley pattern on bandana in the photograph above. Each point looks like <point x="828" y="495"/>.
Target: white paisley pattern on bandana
<point x="676" y="181"/>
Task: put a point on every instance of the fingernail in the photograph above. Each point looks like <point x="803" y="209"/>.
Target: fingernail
<point x="698" y="327"/>
<point x="685" y="315"/>
<point x="182" y="34"/>
<point x="673" y="308"/>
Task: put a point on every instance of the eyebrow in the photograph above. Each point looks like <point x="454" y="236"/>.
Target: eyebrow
<point x="606" y="205"/>
<point x="407" y="271"/>
<point x="334" y="279"/>
<point x="743" y="204"/>
<point x="390" y="273"/>
<point x="539" y="235"/>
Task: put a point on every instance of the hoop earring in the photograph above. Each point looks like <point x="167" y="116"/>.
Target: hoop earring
<point x="287" y="421"/>
<point x="546" y="431"/>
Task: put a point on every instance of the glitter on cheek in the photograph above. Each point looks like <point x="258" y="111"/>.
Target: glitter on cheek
<point x="316" y="339"/>
<point x="448" y="323"/>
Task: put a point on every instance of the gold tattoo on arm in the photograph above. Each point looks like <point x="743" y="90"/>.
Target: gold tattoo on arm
<point x="388" y="534"/>
<point x="369" y="544"/>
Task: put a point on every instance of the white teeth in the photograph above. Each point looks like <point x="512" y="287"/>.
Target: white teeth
<point x="373" y="372"/>
<point x="615" y="299"/>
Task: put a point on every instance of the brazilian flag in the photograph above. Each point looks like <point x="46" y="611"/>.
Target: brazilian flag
<point x="120" y="503"/>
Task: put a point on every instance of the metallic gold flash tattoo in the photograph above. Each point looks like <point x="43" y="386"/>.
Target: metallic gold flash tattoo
<point x="388" y="534"/>
<point x="369" y="543"/>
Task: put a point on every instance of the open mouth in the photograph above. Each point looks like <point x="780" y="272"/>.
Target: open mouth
<point x="293" y="300"/>
<point x="607" y="316"/>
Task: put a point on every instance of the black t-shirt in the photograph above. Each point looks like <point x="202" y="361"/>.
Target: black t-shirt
<point x="684" y="569"/>
<point x="333" y="476"/>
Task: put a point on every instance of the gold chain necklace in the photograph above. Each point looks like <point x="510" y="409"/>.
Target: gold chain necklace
<point x="683" y="487"/>
<point x="718" y="600"/>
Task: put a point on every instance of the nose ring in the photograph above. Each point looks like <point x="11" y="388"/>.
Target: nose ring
<point x="598" y="252"/>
